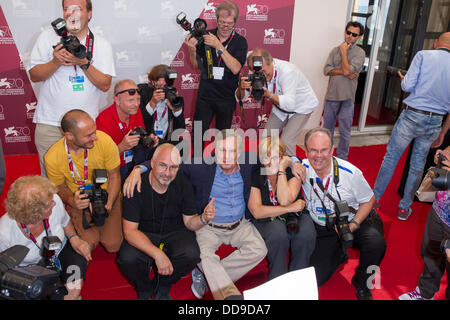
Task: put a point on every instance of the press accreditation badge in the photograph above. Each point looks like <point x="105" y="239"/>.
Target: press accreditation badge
<point x="77" y="83"/>
<point x="128" y="156"/>
<point x="218" y="73"/>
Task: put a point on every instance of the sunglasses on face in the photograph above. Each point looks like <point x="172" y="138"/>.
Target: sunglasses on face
<point x="131" y="92"/>
<point x="352" y="33"/>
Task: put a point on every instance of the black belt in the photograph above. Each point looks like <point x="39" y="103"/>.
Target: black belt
<point x="226" y="227"/>
<point x="428" y="113"/>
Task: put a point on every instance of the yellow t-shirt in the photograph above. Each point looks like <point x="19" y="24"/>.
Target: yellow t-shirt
<point x="104" y="155"/>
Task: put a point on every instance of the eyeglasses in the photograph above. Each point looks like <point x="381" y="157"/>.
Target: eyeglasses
<point x="164" y="167"/>
<point x="131" y="92"/>
<point x="352" y="33"/>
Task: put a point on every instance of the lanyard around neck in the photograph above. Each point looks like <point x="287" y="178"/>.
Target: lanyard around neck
<point x="73" y="168"/>
<point x="32" y="238"/>
<point x="226" y="46"/>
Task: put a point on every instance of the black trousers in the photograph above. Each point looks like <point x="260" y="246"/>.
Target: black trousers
<point x="435" y="262"/>
<point x="205" y="109"/>
<point x="180" y="247"/>
<point x="329" y="253"/>
<point x="279" y="242"/>
<point x="73" y="264"/>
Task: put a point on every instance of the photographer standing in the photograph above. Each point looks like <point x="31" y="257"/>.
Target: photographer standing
<point x="68" y="82"/>
<point x="437" y="229"/>
<point x="290" y="92"/>
<point x="70" y="164"/>
<point x="331" y="182"/>
<point x="216" y="96"/>
<point x="34" y="211"/>
<point x="160" y="116"/>
<point x="120" y="121"/>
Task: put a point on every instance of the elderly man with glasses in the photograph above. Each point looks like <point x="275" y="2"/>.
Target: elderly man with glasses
<point x="343" y="66"/>
<point x="228" y="50"/>
<point x="120" y="121"/>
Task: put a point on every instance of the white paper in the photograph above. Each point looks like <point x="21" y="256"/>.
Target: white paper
<point x="294" y="285"/>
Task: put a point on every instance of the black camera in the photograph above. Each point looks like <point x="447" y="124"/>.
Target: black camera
<point x="32" y="282"/>
<point x="197" y="31"/>
<point x="170" y="91"/>
<point x="257" y="78"/>
<point x="144" y="138"/>
<point x="441" y="179"/>
<point x="340" y="219"/>
<point x="98" y="198"/>
<point x="292" y="222"/>
<point x="393" y="71"/>
<point x="69" y="42"/>
<point x="50" y="244"/>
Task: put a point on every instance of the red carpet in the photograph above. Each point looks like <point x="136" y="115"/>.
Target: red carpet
<point x="400" y="268"/>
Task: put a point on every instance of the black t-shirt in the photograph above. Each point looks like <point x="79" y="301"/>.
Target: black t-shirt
<point x="160" y="213"/>
<point x="219" y="89"/>
<point x="260" y="181"/>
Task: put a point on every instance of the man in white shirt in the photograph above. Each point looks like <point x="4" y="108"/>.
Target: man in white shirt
<point x="329" y="183"/>
<point x="69" y="82"/>
<point x="289" y="91"/>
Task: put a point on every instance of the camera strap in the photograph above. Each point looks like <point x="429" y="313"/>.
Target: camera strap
<point x="73" y="168"/>
<point x="90" y="45"/>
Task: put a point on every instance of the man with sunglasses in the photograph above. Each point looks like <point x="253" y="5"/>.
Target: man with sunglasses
<point x="343" y="66"/>
<point x="229" y="49"/>
<point x="68" y="82"/>
<point x="120" y="120"/>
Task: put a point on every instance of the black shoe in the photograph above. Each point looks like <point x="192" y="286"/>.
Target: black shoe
<point x="362" y="292"/>
<point x="163" y="294"/>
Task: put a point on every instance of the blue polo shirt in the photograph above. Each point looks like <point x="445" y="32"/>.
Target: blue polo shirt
<point x="228" y="191"/>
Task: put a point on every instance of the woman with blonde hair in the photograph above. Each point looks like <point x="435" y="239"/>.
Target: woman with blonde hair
<point x="277" y="205"/>
<point x="35" y="211"/>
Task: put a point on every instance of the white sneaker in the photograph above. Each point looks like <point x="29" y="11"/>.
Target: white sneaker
<point x="413" y="295"/>
<point x="199" y="285"/>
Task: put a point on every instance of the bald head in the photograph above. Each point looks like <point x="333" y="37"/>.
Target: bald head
<point x="443" y="41"/>
<point x="123" y="85"/>
<point x="71" y="119"/>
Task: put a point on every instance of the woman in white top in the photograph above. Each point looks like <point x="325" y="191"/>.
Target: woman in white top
<point x="34" y="210"/>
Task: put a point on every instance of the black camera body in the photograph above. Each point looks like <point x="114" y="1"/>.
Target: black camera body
<point x="340" y="220"/>
<point x="441" y="180"/>
<point x="197" y="31"/>
<point x="144" y="138"/>
<point x="292" y="222"/>
<point x="69" y="42"/>
<point x="98" y="198"/>
<point x="257" y="78"/>
<point x="32" y="282"/>
<point x="50" y="244"/>
<point x="393" y="71"/>
<point x="170" y="91"/>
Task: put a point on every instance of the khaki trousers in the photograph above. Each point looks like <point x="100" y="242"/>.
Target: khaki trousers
<point x="292" y="127"/>
<point x="44" y="137"/>
<point x="221" y="274"/>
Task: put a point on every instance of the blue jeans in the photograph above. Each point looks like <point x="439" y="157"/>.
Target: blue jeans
<point x="410" y="125"/>
<point x="341" y="111"/>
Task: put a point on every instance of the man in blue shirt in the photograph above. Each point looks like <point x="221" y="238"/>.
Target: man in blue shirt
<point x="228" y="182"/>
<point x="428" y="82"/>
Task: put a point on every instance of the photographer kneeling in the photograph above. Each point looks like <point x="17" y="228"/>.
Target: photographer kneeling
<point x="35" y="211"/>
<point x="277" y="205"/>
<point x="340" y="202"/>
<point x="435" y="249"/>
<point x="161" y="107"/>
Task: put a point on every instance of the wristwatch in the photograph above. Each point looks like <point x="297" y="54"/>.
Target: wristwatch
<point x="355" y="223"/>
<point x="86" y="66"/>
<point x="220" y="51"/>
